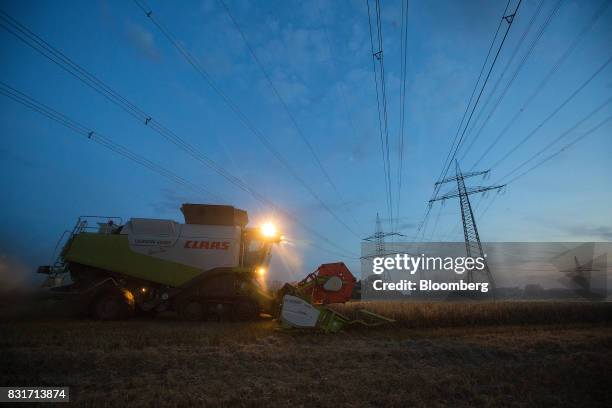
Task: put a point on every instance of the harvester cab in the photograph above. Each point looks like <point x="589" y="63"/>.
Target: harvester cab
<point x="211" y="265"/>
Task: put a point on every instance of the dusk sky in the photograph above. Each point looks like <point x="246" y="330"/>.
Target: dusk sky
<point x="317" y="54"/>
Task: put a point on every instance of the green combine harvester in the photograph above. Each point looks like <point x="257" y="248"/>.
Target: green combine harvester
<point x="210" y="266"/>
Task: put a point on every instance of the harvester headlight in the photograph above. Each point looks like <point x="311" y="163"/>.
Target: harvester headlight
<point x="269" y="230"/>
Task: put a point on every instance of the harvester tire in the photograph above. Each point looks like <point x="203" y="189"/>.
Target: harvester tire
<point x="112" y="304"/>
<point x="245" y="309"/>
<point x="192" y="309"/>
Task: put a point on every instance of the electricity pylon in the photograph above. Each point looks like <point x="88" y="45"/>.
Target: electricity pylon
<point x="378" y="238"/>
<point x="473" y="247"/>
<point x="380" y="250"/>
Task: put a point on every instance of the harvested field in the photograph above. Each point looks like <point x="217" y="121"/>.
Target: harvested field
<point x="171" y="363"/>
<point x="461" y="314"/>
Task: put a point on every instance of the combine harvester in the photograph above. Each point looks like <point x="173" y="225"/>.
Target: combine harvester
<point x="212" y="266"/>
<point x="209" y="266"/>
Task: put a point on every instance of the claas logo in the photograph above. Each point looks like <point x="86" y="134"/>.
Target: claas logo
<point x="222" y="245"/>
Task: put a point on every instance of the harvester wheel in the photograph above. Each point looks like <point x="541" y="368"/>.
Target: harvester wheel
<point x="113" y="304"/>
<point x="192" y="309"/>
<point x="245" y="309"/>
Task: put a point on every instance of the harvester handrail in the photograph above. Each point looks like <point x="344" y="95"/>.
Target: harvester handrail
<point x="81" y="225"/>
<point x="83" y="222"/>
<point x="102" y="217"/>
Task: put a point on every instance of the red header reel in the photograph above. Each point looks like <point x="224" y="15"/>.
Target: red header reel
<point x="330" y="283"/>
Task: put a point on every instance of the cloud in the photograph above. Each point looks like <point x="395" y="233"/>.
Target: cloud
<point x="18" y="159"/>
<point x="440" y="77"/>
<point x="405" y="223"/>
<point x="407" y="226"/>
<point x="339" y="207"/>
<point x="208" y="6"/>
<point x="604" y="233"/>
<point x="143" y="40"/>
<point x="361" y="149"/>
<point x="293" y="92"/>
<point x="364" y="151"/>
<point x="171" y="201"/>
<point x="297" y="50"/>
<point x="358" y="40"/>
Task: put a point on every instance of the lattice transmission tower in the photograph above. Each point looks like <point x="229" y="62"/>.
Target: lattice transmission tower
<point x="378" y="238"/>
<point x="473" y="246"/>
<point x="380" y="247"/>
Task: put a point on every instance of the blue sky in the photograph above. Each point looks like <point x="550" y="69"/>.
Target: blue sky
<point x="51" y="175"/>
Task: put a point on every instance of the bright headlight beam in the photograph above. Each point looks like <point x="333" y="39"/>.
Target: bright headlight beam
<point x="269" y="230"/>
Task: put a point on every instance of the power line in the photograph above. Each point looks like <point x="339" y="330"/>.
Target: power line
<point x="554" y="112"/>
<point x="60" y="59"/>
<point x="567" y="146"/>
<point x="433" y="230"/>
<point x="403" y="69"/>
<point x="423" y="224"/>
<point x="517" y="70"/>
<point x="382" y="112"/>
<point x="238" y="112"/>
<point x="567" y="132"/>
<point x="555" y="154"/>
<point x="564" y="148"/>
<point x="482" y="214"/>
<point x="383" y="82"/>
<point x="560" y="137"/>
<point x="509" y="19"/>
<point x="499" y="79"/>
<point x="341" y="86"/>
<point x="35" y="42"/>
<point x="583" y="85"/>
<point x="283" y="103"/>
<point x="97" y="137"/>
<point x="556" y="66"/>
<point x="467" y="108"/>
<point x="333" y="60"/>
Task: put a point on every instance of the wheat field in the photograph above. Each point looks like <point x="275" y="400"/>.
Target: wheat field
<point x="462" y="355"/>
<point x="466" y="314"/>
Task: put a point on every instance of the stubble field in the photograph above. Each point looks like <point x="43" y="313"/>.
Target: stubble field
<point x="435" y="355"/>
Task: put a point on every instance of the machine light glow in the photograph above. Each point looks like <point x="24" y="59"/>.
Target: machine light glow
<point x="269" y="230"/>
